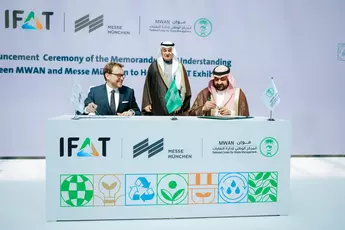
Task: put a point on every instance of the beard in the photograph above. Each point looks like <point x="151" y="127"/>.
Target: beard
<point x="220" y="87"/>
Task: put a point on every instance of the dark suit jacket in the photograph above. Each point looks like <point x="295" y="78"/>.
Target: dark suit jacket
<point x="99" y="96"/>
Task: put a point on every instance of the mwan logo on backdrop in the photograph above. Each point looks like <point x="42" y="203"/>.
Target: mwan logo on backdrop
<point x="90" y="22"/>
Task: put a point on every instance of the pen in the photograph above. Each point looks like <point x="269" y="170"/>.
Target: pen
<point x="209" y="99"/>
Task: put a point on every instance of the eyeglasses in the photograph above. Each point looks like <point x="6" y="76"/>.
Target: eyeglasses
<point x="118" y="75"/>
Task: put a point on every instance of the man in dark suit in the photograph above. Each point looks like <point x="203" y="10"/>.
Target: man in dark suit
<point x="112" y="98"/>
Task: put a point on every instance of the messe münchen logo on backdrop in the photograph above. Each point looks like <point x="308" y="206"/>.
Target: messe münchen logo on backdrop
<point x="86" y="148"/>
<point x="269" y="147"/>
<point x="203" y="27"/>
<point x="91" y="24"/>
<point x="341" y="51"/>
<point x="28" y="20"/>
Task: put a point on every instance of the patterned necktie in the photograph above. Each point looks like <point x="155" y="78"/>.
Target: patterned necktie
<point x="112" y="102"/>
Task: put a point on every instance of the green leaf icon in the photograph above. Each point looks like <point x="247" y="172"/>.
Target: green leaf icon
<point x="275" y="176"/>
<point x="259" y="198"/>
<point x="259" y="183"/>
<point x="251" y="198"/>
<point x="266" y="190"/>
<point x="273" y="198"/>
<point x="258" y="191"/>
<point x="177" y="194"/>
<point x="252" y="183"/>
<point x="265" y="198"/>
<point x="273" y="183"/>
<point x="273" y="190"/>
<point x="251" y="176"/>
<point x="267" y="175"/>
<point x="258" y="177"/>
<point x="266" y="183"/>
<point x="166" y="194"/>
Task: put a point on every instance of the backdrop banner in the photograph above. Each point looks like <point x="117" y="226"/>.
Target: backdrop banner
<point x="47" y="45"/>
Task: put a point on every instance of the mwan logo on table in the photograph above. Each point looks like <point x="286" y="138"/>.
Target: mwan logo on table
<point x="86" y="149"/>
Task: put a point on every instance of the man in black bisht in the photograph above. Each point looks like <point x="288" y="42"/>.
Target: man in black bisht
<point x="159" y="76"/>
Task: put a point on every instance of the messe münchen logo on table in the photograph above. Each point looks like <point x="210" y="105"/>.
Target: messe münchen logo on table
<point x="269" y="147"/>
<point x="152" y="149"/>
<point x="203" y="27"/>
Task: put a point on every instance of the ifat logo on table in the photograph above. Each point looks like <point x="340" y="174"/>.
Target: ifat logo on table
<point x="87" y="149"/>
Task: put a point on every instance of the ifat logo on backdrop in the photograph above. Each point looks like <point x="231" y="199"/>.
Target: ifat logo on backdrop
<point x="341" y="51"/>
<point x="33" y="20"/>
<point x="85" y="21"/>
<point x="87" y="149"/>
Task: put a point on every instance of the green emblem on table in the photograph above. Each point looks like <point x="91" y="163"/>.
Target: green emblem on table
<point x="172" y="189"/>
<point x="76" y="190"/>
<point x="269" y="147"/>
<point x="263" y="187"/>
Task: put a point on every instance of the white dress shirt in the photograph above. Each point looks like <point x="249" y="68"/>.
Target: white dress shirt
<point x="116" y="95"/>
<point x="220" y="97"/>
<point x="219" y="101"/>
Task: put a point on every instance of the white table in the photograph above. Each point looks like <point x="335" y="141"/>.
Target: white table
<point x="153" y="167"/>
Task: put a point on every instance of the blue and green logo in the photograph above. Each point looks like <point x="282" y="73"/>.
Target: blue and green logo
<point x="203" y="27"/>
<point x="269" y="147"/>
